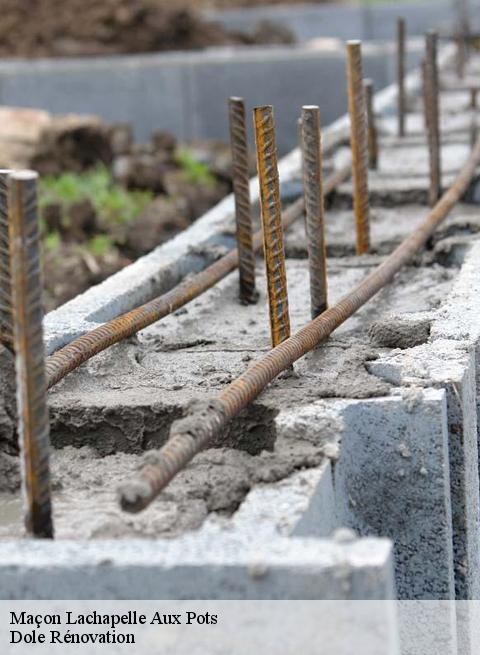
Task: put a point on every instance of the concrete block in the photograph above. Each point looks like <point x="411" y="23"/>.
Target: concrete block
<point x="459" y="317"/>
<point x="260" y="79"/>
<point x="450" y="365"/>
<point x="301" y="505"/>
<point x="147" y="90"/>
<point x="212" y="565"/>
<point x="396" y="449"/>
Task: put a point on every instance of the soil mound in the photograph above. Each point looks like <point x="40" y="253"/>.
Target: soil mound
<point x="64" y="28"/>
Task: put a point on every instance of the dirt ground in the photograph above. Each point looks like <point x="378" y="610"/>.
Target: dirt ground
<point x="97" y="221"/>
<point x="46" y="29"/>
<point x="227" y="4"/>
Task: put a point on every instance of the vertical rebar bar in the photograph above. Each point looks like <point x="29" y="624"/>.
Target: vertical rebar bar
<point x="432" y="116"/>
<point x="30" y="359"/>
<point x="461" y="56"/>
<point x="6" y="329"/>
<point x="423" y="68"/>
<point x="272" y="224"/>
<point x="473" y="130"/>
<point x="372" y="128"/>
<point x="473" y="97"/>
<point x="243" y="208"/>
<point x="300" y="141"/>
<point x="401" y="95"/>
<point x="359" y="145"/>
<point x="463" y="33"/>
<point x="314" y="208"/>
<point x="473" y="118"/>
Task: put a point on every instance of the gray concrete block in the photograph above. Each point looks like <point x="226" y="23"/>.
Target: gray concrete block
<point x="147" y="90"/>
<point x="302" y="505"/>
<point x="190" y="568"/>
<point x="459" y="317"/>
<point x="450" y="365"/>
<point x="396" y="449"/>
<point x="260" y="79"/>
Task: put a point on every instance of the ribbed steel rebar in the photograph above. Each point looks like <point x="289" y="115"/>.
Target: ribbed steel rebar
<point x="424" y="90"/>
<point x="6" y="328"/>
<point x="207" y="420"/>
<point x="27" y="305"/>
<point x="473" y="97"/>
<point x="372" y="127"/>
<point x="272" y="224"/>
<point x="314" y="208"/>
<point x="243" y="208"/>
<point x="80" y="350"/>
<point x="462" y="11"/>
<point x="359" y="145"/>
<point x="473" y="130"/>
<point x="432" y="116"/>
<point x="401" y="95"/>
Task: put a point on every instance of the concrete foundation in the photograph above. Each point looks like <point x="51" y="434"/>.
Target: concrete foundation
<point x="354" y="478"/>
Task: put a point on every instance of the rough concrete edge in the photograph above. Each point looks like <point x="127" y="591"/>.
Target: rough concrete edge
<point x="449" y="360"/>
<point x="236" y="568"/>
<point x="369" y="460"/>
<point x="166" y="265"/>
<point x="459" y="318"/>
<point x="449" y="365"/>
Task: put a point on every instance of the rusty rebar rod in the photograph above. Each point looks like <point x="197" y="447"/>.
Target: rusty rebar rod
<point x="473" y="130"/>
<point x="463" y="35"/>
<point x="270" y="210"/>
<point x="473" y="97"/>
<point x="207" y="420"/>
<point x="424" y="92"/>
<point x="6" y="326"/>
<point x="243" y="208"/>
<point x="359" y="145"/>
<point x="432" y="116"/>
<point x="34" y="429"/>
<point x="372" y="127"/>
<point x="80" y="350"/>
<point x="314" y="208"/>
<point x="401" y="94"/>
<point x="461" y="56"/>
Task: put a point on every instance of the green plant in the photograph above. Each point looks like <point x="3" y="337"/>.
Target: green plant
<point x="51" y="241"/>
<point x="100" y="244"/>
<point x="195" y="171"/>
<point x="112" y="202"/>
